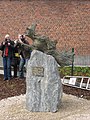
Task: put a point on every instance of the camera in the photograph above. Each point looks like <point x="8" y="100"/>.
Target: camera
<point x="22" y="38"/>
<point x="6" y="42"/>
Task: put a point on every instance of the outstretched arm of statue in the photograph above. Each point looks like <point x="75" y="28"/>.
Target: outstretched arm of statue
<point x="46" y="45"/>
<point x="23" y="45"/>
<point x="26" y="46"/>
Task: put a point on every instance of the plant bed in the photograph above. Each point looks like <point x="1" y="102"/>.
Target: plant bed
<point x="77" y="71"/>
<point x="82" y="93"/>
<point x="16" y="87"/>
<point x="11" y="88"/>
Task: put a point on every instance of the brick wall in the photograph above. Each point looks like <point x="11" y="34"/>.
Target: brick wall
<point x="67" y="21"/>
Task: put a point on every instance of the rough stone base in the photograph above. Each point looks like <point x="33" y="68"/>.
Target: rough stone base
<point x="43" y="83"/>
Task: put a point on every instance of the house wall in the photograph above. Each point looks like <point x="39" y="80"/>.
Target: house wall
<point x="67" y="21"/>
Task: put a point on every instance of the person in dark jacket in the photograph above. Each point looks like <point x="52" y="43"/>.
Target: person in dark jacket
<point x="15" y="60"/>
<point x="7" y="50"/>
<point x="24" y="55"/>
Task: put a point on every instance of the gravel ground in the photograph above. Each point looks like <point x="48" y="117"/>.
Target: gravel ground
<point x="72" y="108"/>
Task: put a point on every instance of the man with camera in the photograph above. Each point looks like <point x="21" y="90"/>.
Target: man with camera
<point x="7" y="50"/>
<point x="24" y="54"/>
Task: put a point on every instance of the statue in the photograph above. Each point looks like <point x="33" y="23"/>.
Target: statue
<point x="44" y="44"/>
<point x="44" y="87"/>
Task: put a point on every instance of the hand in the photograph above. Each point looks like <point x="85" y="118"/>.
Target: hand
<point x="15" y="41"/>
<point x="20" y="41"/>
<point x="20" y="56"/>
<point x="3" y="43"/>
<point x="9" y="44"/>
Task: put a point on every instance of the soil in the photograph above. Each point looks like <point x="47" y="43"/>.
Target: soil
<point x="10" y="88"/>
<point x="16" y="87"/>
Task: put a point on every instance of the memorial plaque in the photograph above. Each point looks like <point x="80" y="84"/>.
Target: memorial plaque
<point x="38" y="71"/>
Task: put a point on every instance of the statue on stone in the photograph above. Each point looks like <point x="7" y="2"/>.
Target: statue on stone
<point x="46" y="45"/>
<point x="44" y="87"/>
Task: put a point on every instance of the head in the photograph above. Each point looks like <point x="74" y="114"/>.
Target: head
<point x="7" y="36"/>
<point x="21" y="37"/>
<point x="30" y="31"/>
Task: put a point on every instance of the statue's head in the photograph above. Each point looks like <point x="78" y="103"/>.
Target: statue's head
<point x="27" y="32"/>
<point x="30" y="31"/>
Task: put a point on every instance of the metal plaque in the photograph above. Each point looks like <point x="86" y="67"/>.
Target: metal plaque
<point x="38" y="71"/>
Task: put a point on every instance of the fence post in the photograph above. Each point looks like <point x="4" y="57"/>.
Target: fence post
<point x="72" y="61"/>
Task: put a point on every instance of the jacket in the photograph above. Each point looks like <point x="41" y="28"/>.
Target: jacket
<point x="10" y="48"/>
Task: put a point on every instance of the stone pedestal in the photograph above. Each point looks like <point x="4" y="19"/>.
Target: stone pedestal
<point x="43" y="83"/>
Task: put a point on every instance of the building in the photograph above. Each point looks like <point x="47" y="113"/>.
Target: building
<point x="67" y="21"/>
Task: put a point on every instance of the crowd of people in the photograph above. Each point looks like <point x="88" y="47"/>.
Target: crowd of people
<point x="14" y="55"/>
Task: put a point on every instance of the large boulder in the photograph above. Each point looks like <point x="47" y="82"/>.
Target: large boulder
<point x="43" y="83"/>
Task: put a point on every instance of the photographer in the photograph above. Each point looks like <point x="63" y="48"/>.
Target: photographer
<point x="7" y="50"/>
<point x="24" y="54"/>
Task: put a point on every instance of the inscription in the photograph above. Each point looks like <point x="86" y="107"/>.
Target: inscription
<point x="38" y="71"/>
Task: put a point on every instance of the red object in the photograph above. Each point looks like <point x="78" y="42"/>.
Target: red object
<point x="6" y="51"/>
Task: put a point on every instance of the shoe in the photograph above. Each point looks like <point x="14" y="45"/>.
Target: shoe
<point x="9" y="78"/>
<point x="21" y="78"/>
<point x="14" y="77"/>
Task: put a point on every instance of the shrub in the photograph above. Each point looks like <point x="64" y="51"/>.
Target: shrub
<point x="77" y="71"/>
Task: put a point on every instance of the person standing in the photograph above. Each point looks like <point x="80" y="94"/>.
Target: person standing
<point x="7" y="50"/>
<point x="24" y="55"/>
<point x="15" y="60"/>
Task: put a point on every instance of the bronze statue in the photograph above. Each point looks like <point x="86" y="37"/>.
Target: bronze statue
<point x="44" y="44"/>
